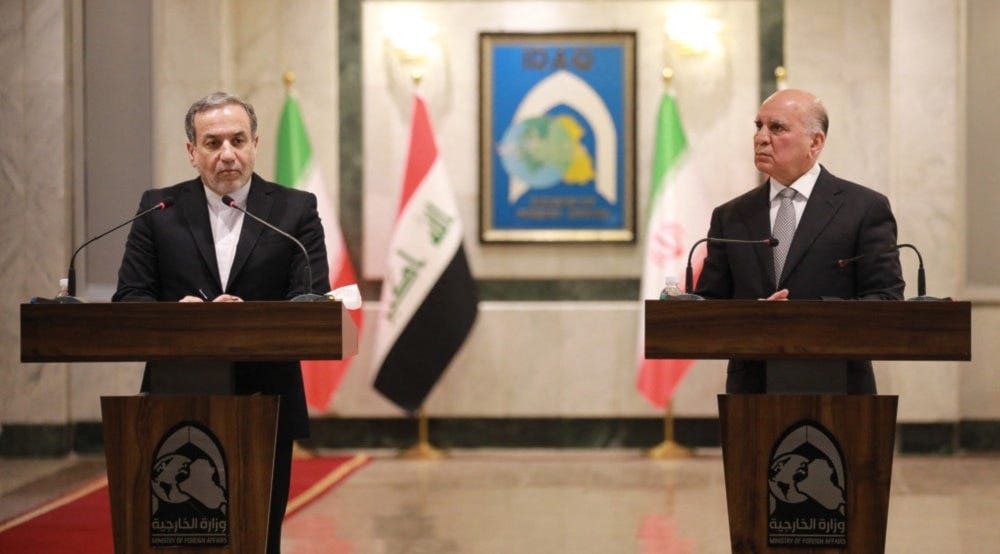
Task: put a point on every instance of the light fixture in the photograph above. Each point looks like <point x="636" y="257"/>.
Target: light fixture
<point x="412" y="40"/>
<point x="689" y="26"/>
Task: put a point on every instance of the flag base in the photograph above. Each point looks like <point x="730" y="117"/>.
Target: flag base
<point x="669" y="450"/>
<point x="300" y="452"/>
<point x="422" y="451"/>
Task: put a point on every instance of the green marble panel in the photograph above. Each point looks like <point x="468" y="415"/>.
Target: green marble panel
<point x="36" y="440"/>
<point x="771" y="23"/>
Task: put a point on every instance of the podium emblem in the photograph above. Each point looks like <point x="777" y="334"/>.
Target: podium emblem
<point x="806" y="479"/>
<point x="190" y="500"/>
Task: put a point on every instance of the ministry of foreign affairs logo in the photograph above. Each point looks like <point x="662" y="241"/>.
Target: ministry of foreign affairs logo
<point x="807" y="484"/>
<point x="190" y="501"/>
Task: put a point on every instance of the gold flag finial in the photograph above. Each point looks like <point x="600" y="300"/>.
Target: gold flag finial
<point x="417" y="75"/>
<point x="781" y="77"/>
<point x="289" y="79"/>
<point x="668" y="75"/>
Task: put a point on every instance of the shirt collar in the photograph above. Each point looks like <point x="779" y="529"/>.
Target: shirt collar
<point x="239" y="195"/>
<point x="803" y="185"/>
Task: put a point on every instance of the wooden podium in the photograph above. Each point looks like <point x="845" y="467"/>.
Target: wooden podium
<point x="807" y="472"/>
<point x="220" y="447"/>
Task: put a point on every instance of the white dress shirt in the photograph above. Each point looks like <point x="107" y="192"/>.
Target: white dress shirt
<point x="803" y="186"/>
<point x="227" y="223"/>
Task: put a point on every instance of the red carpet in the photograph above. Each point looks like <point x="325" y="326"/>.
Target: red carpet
<point x="83" y="517"/>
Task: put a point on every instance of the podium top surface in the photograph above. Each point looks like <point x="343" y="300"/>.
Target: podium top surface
<point x="808" y="330"/>
<point x="222" y="331"/>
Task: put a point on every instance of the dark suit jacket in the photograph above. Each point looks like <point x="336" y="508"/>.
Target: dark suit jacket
<point x="171" y="254"/>
<point x="841" y="220"/>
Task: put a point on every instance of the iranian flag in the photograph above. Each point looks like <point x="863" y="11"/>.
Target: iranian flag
<point x="294" y="167"/>
<point x="676" y="216"/>
<point x="429" y="300"/>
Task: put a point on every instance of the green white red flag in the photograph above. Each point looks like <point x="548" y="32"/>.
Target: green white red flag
<point x="295" y="167"/>
<point x="676" y="214"/>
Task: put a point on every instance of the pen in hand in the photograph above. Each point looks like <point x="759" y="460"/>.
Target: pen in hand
<point x="203" y="295"/>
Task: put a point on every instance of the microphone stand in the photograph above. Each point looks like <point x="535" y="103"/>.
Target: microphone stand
<point x="770" y="242"/>
<point x="71" y="273"/>
<point x="304" y="297"/>
<point x="921" y="278"/>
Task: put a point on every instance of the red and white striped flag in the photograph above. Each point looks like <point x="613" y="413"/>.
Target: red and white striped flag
<point x="294" y="167"/>
<point x="429" y="300"/>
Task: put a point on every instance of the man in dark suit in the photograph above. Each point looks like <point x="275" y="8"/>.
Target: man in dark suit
<point x="828" y="219"/>
<point x="201" y="249"/>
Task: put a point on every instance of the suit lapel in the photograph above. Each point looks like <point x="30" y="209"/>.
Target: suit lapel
<point x="194" y="212"/>
<point x="259" y="204"/>
<point x="757" y="218"/>
<point x="822" y="206"/>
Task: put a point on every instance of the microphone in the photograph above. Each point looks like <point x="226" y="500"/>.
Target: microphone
<point x="71" y="274"/>
<point x="306" y="297"/>
<point x="769" y="242"/>
<point x="921" y="277"/>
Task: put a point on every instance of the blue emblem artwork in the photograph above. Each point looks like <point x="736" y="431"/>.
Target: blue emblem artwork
<point x="558" y="137"/>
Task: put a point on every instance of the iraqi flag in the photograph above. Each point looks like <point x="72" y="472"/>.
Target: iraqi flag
<point x="429" y="300"/>
<point x="294" y="167"/>
<point x="676" y="209"/>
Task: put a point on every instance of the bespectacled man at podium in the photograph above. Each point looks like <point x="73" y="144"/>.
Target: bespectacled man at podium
<point x="203" y="249"/>
<point x="817" y="218"/>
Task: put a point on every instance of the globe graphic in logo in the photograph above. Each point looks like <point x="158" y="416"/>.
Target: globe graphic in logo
<point x="538" y="151"/>
<point x="167" y="473"/>
<point x="786" y="473"/>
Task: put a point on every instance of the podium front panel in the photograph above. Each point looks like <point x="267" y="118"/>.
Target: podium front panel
<point x="190" y="474"/>
<point x="807" y="472"/>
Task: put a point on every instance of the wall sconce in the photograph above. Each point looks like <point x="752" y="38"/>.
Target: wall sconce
<point x="413" y="42"/>
<point x="689" y="26"/>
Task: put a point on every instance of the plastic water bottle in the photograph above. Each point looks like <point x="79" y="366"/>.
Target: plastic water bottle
<point x="671" y="290"/>
<point x="63" y="288"/>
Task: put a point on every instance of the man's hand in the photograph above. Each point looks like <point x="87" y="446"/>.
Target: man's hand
<point x="780" y="295"/>
<point x="220" y="298"/>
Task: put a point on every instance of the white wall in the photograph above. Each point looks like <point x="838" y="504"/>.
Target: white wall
<point x="540" y="358"/>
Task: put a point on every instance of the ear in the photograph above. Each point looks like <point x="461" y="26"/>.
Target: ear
<point x="190" y="149"/>
<point x="818" y="141"/>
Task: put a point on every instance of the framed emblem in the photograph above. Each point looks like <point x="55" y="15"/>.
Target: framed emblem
<point x="557" y="137"/>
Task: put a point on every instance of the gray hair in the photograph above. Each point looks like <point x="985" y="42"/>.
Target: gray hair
<point x="211" y="102"/>
<point x="818" y="119"/>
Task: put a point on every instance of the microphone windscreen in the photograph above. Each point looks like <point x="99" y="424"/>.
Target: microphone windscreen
<point x="228" y="200"/>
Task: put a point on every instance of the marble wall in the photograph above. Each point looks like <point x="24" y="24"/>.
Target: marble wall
<point x="36" y="195"/>
<point x="896" y="100"/>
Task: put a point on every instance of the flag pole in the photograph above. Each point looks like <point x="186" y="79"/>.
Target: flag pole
<point x="669" y="449"/>
<point x="299" y="451"/>
<point x="423" y="450"/>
